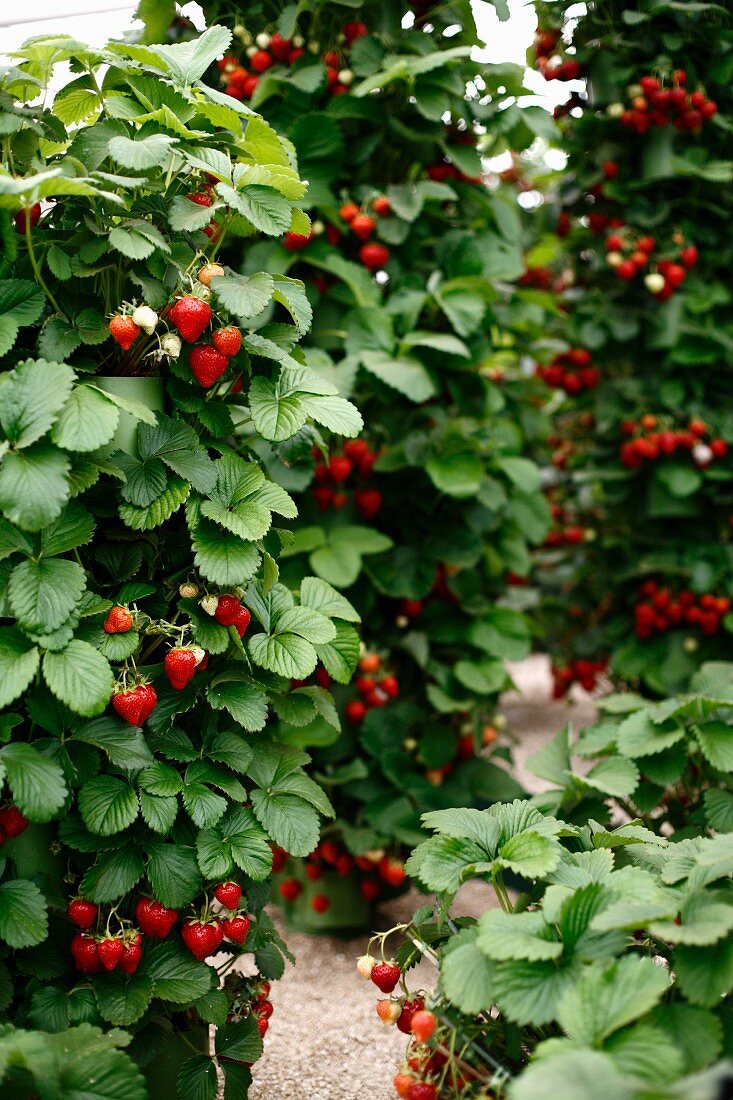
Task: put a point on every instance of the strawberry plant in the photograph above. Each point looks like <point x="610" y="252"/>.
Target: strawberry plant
<point x="409" y="265"/>
<point x="642" y="458"/>
<point x="148" y="641"/>
<point x="606" y="974"/>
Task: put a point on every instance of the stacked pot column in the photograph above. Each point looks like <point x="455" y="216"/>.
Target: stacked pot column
<point x="409" y="261"/>
<point x="147" y="637"/>
<point x="641" y="448"/>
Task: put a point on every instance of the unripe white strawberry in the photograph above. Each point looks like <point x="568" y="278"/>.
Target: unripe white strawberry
<point x="374" y="855"/>
<point x="500" y="722"/>
<point x="314" y="47"/>
<point x="346" y="77"/>
<point x="146" y="318"/>
<point x="590" y="535"/>
<point x="702" y="455"/>
<point x="188" y="590"/>
<point x="251" y="51"/>
<point x="171" y="345"/>
<point x="238" y="30"/>
<point x="690" y="645"/>
<point x="365" y="965"/>
<point x="402" y="621"/>
<point x="654" y="282"/>
<point x="263" y="41"/>
<point x="209" y="604"/>
<point x="634" y="90"/>
<point x="203" y="292"/>
<point x="298" y="41"/>
<point x="613" y="259"/>
<point x="198" y="653"/>
<point x="615" y="110"/>
<point x="389" y="1012"/>
<point x="318" y="228"/>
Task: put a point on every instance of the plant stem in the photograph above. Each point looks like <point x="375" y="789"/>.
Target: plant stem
<point x="34" y="263"/>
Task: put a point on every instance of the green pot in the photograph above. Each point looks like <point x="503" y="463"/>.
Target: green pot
<point x="147" y="391"/>
<point x="162" y="1073"/>
<point x="349" y="911"/>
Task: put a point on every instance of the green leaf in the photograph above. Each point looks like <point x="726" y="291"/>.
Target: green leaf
<point x="238" y="840"/>
<point x="162" y="508"/>
<point x="243" y="699"/>
<point x="465" y="974"/>
<point x="521" y="472"/>
<point x="178" y="446"/>
<point x="287" y="655"/>
<point x="36" y="783"/>
<point x="188" y="61"/>
<point x="289" y="821"/>
<point x="107" y="805"/>
<point x="320" y="596"/>
<point x="638" y="736"/>
<point x="173" y="872"/>
<point x="264" y="207"/>
<point x="21" y="303"/>
<point x="517" y="936"/>
<point x="87" y="421"/>
<point x="290" y="293"/>
<point x="574" y="1075"/>
<point x="43" y="594"/>
<point x="695" y="1033"/>
<point x="716" y="743"/>
<point x="112" y="876"/>
<point x="31" y="397"/>
<point x="80" y="677"/>
<point x="204" y="807"/>
<point x="458" y="475"/>
<point x="176" y="975"/>
<point x="405" y="374"/>
<point x="240" y="1040"/>
<point x="158" y="813"/>
<point x="339" y="657"/>
<point x="485" y="677"/>
<point x="188" y="216"/>
<point x="122" y="998"/>
<point x="243" y="295"/>
<point x="213" y="1007"/>
<point x="609" y="996"/>
<point x="197" y="1078"/>
<point x="227" y="561"/>
<point x="18" y="664"/>
<point x="23" y="916"/>
<point x="34" y="486"/>
<point x="719" y="809"/>
<point x="614" y="776"/>
<point x="139" y="153"/>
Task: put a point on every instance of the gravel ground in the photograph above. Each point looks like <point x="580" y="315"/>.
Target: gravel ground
<point x="325" y="1041"/>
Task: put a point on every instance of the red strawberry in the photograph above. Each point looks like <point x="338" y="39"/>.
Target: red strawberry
<point x="242" y="621"/>
<point x="340" y="467"/>
<point x="12" y="821"/>
<point x="280" y="47"/>
<point x="392" y="871"/>
<point x="82" y="912"/>
<point x="263" y="992"/>
<point x="207" y="364"/>
<point x="180" y="666"/>
<point x="390" y="686"/>
<point x="385" y="976"/>
<point x="348" y="211"/>
<point x="227" y="340"/>
<point x="135" y="705"/>
<point x="371" y="890"/>
<point x="33" y="219"/>
<point x="236" y="929"/>
<point x="422" y="1090"/>
<point x="201" y="198"/>
<point x="261" y="61"/>
<point x="290" y="889"/>
<point x="118" y="621"/>
<point x="355" y="449"/>
<point x="409" y="1009"/>
<point x="388" y="1012"/>
<point x="191" y="316"/>
<point x="132" y="954"/>
<point x="689" y="256"/>
<point x="85" y="953"/>
<point x="262" y="1025"/>
<point x="423" y="1025"/>
<point x="263" y="1007"/>
<point x="374" y="256"/>
<point x="228" y="893"/>
<point x="382" y="206"/>
<point x="110" y="952"/>
<point x="320" y="903"/>
<point x="352" y="31"/>
<point x="124" y="331"/>
<point x="154" y="919"/>
<point x="202" y="940"/>
<point x="402" y="1083"/>
<point x="227" y="610"/>
<point x="355" y="711"/>
<point x="363" y="226"/>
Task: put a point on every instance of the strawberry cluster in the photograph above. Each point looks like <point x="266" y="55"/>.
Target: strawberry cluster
<point x="651" y="441"/>
<point x="548" y="61"/>
<point x="373" y="691"/>
<point x="629" y="254"/>
<point x="355" y="462"/>
<point x="660" y="609"/>
<point x="655" y="104"/>
<point x="374" y="871"/>
<point x="249" y="997"/>
<point x="374" y="256"/>
<point x="580" y="671"/>
<point x="12" y="822"/>
<point x="95" y="952"/>
<point x="268" y="50"/>
<point x="571" y="371"/>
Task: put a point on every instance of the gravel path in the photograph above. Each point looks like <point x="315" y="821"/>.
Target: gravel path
<point x="325" y="1041"/>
